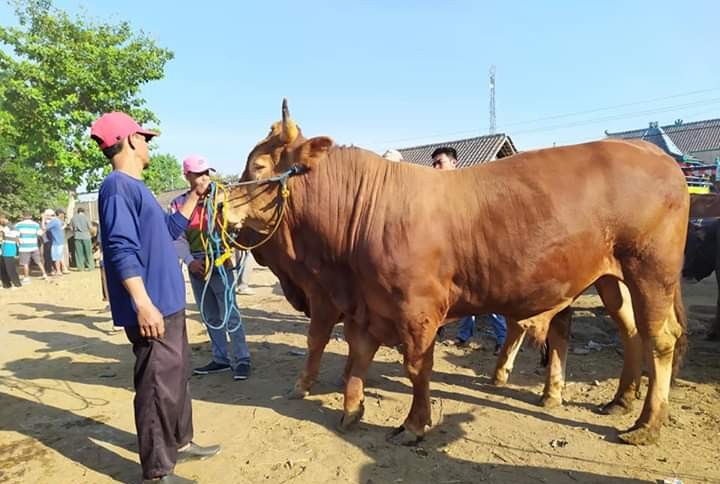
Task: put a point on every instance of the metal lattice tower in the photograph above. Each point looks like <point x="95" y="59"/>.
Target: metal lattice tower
<point x="492" y="99"/>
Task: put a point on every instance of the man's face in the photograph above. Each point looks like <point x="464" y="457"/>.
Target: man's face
<point x="140" y="143"/>
<point x="195" y="178"/>
<point x="443" y="162"/>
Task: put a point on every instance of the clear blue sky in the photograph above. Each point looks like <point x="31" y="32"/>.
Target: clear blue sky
<point x="382" y="74"/>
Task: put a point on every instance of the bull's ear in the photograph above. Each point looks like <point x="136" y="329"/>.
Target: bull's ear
<point x="314" y="150"/>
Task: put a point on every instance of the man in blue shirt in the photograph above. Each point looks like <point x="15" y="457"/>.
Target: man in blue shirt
<point x="147" y="296"/>
<point x="55" y="230"/>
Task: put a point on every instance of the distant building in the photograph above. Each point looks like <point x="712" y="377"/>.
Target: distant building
<point x="471" y="151"/>
<point x="698" y="140"/>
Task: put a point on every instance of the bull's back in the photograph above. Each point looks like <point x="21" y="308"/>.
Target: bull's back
<point x="549" y="222"/>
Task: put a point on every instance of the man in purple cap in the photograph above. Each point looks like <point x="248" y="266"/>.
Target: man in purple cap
<point x="220" y="320"/>
<point x="147" y="296"/>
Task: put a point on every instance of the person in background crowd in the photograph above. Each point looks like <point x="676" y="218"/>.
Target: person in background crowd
<point x="81" y="228"/>
<point x="8" y="251"/>
<point x="56" y="234"/>
<point x="29" y="231"/>
<point x="47" y="215"/>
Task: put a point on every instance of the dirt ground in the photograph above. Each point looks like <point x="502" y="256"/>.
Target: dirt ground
<point x="66" y="404"/>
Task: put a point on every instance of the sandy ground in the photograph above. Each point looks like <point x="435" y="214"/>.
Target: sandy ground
<point x="66" y="404"/>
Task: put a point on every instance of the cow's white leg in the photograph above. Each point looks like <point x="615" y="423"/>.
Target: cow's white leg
<point x="659" y="328"/>
<point x="509" y="351"/>
<point x="616" y="298"/>
<point x="558" y="337"/>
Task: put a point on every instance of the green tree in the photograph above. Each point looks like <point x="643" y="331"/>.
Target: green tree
<point x="164" y="174"/>
<point x="57" y="74"/>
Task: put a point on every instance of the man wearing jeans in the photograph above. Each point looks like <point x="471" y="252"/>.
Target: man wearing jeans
<point x="147" y="296"/>
<point x="220" y="320"/>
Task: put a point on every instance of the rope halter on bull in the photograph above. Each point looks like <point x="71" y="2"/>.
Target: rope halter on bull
<point x="218" y="243"/>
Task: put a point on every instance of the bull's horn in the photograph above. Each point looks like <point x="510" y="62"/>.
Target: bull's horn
<point x="285" y="112"/>
<point x="289" y="128"/>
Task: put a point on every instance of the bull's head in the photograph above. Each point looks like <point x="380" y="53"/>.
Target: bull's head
<point x="255" y="205"/>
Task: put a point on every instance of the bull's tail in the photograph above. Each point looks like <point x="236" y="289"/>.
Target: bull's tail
<point x="681" y="344"/>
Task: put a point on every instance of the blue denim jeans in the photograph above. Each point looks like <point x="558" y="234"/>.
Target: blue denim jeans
<point x="214" y="311"/>
<point x="499" y="326"/>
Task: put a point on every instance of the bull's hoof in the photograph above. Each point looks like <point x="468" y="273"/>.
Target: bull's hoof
<point x="547" y="401"/>
<point x="616" y="407"/>
<point x="643" y="435"/>
<point x="350" y="419"/>
<point x="500" y="380"/>
<point x="298" y="393"/>
<point x="403" y="436"/>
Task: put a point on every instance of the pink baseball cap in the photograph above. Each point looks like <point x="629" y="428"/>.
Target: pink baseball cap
<point x="196" y="164"/>
<point x="110" y="128"/>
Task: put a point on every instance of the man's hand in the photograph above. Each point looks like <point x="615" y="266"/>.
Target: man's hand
<point x="151" y="322"/>
<point x="197" y="268"/>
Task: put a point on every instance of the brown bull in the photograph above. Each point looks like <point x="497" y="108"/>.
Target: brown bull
<point x="398" y="248"/>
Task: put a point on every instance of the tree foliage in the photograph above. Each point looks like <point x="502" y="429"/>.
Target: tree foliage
<point x="57" y="74"/>
<point x="164" y="174"/>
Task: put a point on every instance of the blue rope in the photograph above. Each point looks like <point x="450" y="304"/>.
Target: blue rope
<point x="214" y="250"/>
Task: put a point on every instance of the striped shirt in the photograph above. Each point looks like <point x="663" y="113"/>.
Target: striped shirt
<point x="29" y="232"/>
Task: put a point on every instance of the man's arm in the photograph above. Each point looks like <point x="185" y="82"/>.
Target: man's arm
<point x="150" y="320"/>
<point x="177" y="222"/>
<point x="120" y="226"/>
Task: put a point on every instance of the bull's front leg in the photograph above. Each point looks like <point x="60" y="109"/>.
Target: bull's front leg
<point x="418" y="364"/>
<point x="323" y="319"/>
<point x="509" y="351"/>
<point x="362" y="350"/>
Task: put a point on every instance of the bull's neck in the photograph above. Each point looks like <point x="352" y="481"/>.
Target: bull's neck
<point x="337" y="199"/>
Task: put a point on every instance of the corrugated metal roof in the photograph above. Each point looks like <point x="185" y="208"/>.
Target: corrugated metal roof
<point x="689" y="137"/>
<point x="471" y="151"/>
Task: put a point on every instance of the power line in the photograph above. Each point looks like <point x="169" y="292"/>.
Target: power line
<point x="559" y="116"/>
<point x="609" y="108"/>
<point x="616" y="117"/>
<point x="574" y="124"/>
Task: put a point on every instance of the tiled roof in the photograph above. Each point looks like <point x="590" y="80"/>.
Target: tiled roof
<point x="689" y="137"/>
<point x="471" y="151"/>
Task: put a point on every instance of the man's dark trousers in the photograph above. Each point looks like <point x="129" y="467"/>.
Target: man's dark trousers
<point x="163" y="407"/>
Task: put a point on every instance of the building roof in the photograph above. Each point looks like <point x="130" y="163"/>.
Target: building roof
<point x="688" y="137"/>
<point x="471" y="151"/>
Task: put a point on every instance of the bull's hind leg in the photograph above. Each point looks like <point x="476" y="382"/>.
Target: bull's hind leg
<point x="362" y="350"/>
<point x="558" y="336"/>
<point x="323" y="319"/>
<point x="616" y="298"/>
<point x="659" y="329"/>
<point x="509" y="351"/>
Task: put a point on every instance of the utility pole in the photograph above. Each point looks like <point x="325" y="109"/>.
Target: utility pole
<point x="492" y="99"/>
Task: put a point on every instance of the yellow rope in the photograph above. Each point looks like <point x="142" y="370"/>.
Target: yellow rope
<point x="227" y="240"/>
